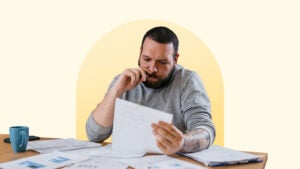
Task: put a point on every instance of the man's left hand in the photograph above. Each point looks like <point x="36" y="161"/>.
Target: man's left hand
<point x="169" y="139"/>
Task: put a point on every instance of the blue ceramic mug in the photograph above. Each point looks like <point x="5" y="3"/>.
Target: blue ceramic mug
<point x="19" y="138"/>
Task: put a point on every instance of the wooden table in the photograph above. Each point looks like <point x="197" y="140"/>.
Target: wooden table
<point x="6" y="154"/>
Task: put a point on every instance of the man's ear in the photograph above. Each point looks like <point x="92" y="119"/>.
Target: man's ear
<point x="176" y="58"/>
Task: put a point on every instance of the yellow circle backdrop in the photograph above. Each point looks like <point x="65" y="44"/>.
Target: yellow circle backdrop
<point x="119" y="49"/>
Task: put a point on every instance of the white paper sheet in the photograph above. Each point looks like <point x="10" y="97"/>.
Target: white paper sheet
<point x="99" y="163"/>
<point x="84" y="152"/>
<point x="107" y="151"/>
<point x="47" y="146"/>
<point x="159" y="162"/>
<point x="144" y="161"/>
<point x="172" y="163"/>
<point x="132" y="131"/>
<point x="44" y="161"/>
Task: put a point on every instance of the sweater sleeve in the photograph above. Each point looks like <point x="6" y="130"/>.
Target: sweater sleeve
<point x="196" y="106"/>
<point x="95" y="132"/>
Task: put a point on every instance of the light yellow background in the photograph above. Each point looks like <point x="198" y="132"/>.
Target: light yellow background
<point x="256" y="44"/>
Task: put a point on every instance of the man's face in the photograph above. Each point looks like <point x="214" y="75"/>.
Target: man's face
<point x="158" y="61"/>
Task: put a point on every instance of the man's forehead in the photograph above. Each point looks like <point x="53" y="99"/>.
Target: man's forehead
<point x="154" y="48"/>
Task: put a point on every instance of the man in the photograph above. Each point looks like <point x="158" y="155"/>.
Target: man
<point x="159" y="82"/>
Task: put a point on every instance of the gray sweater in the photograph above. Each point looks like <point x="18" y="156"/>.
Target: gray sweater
<point x="184" y="97"/>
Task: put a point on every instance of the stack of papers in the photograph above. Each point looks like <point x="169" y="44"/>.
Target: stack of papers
<point x="48" y="146"/>
<point x="220" y="156"/>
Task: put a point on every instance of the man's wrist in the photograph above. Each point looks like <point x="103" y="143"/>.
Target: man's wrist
<point x="195" y="140"/>
<point x="182" y="144"/>
<point x="116" y="93"/>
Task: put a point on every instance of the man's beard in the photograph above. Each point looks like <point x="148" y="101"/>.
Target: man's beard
<point x="161" y="82"/>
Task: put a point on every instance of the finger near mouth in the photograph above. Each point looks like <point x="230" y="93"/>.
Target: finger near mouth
<point x="152" y="78"/>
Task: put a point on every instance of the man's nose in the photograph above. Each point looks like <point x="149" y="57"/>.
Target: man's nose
<point x="152" y="67"/>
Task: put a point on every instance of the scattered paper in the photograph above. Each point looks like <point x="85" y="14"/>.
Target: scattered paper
<point x="99" y="163"/>
<point x="144" y="161"/>
<point x="107" y="151"/>
<point x="44" y="161"/>
<point x="132" y="131"/>
<point x="159" y="162"/>
<point x="173" y="163"/>
<point x="48" y="146"/>
<point x="84" y="152"/>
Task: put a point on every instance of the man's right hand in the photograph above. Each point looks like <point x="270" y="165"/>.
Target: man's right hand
<point x="129" y="79"/>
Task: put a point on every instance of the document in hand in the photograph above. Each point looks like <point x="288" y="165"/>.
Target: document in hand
<point x="132" y="131"/>
<point x="219" y="156"/>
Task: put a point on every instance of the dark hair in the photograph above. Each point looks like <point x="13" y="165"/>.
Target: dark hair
<point x="162" y="34"/>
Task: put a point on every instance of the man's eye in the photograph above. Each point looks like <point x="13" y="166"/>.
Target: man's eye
<point x="147" y="60"/>
<point x="163" y="62"/>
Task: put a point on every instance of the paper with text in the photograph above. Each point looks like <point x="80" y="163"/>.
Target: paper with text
<point x="48" y="146"/>
<point x="99" y="163"/>
<point x="44" y="161"/>
<point x="159" y="161"/>
<point x="173" y="163"/>
<point x="132" y="131"/>
<point x="107" y="151"/>
<point x="144" y="161"/>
